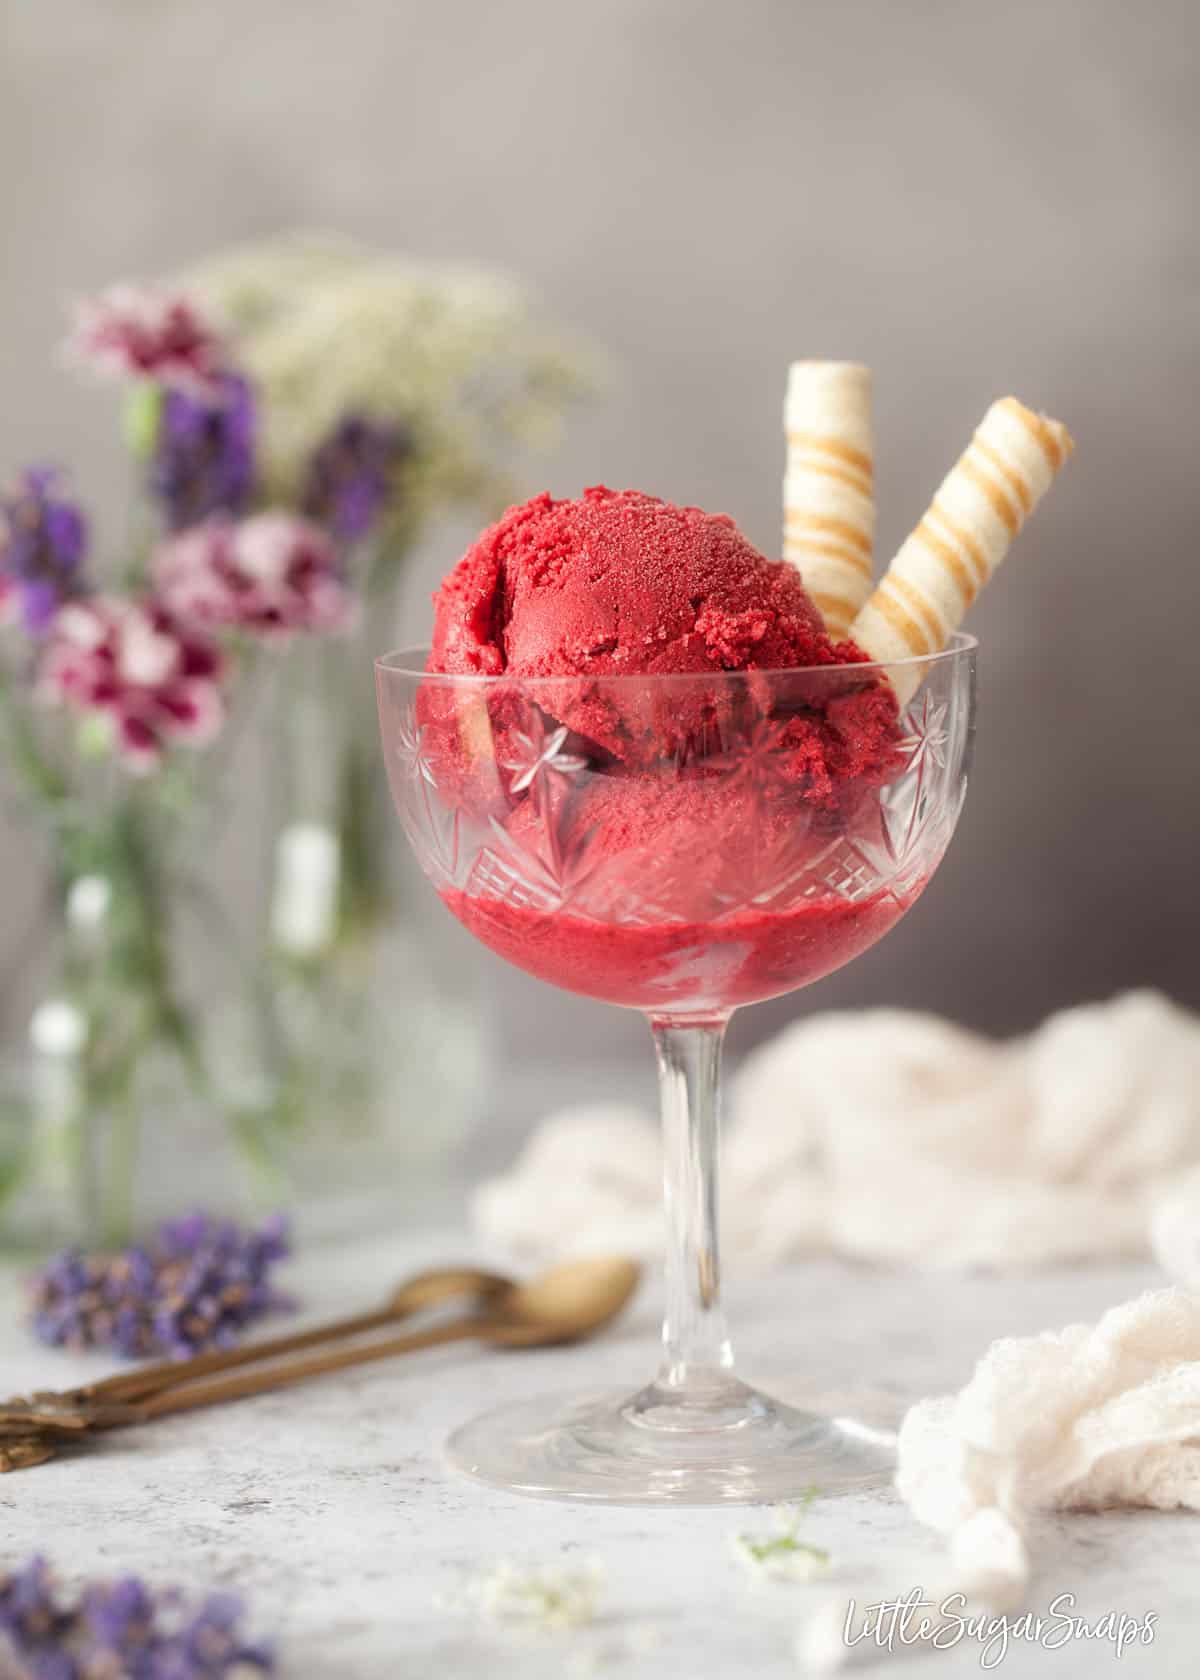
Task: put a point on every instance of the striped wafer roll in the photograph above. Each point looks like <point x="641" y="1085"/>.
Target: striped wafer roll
<point x="985" y="499"/>
<point x="828" y="492"/>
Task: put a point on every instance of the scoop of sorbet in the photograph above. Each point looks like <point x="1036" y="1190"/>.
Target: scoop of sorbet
<point x="619" y="583"/>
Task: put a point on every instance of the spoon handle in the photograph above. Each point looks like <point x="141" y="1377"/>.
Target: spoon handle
<point x="149" y="1380"/>
<point x="426" y="1289"/>
<point x="188" y="1397"/>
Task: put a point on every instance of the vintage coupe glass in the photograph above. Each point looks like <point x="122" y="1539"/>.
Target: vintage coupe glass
<point x="654" y="842"/>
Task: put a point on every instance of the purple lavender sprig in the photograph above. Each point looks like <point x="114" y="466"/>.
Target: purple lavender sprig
<point x="350" y="476"/>
<point x="121" y="1630"/>
<point x="196" y="1285"/>
<point x="203" y="459"/>
<point x="43" y="541"/>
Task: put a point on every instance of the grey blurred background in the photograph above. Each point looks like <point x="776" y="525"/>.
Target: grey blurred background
<point x="975" y="199"/>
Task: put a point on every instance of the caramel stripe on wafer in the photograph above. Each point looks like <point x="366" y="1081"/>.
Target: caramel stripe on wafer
<point x="837" y="608"/>
<point x="842" y="452"/>
<point x="953" y="532"/>
<point x="829" y="469"/>
<point x="906" y="627"/>
<point x="829" y="509"/>
<point x="920" y="608"/>
<point x="1010" y="475"/>
<point x="1041" y="429"/>
<point x="979" y="508"/>
<point x="823" y="523"/>
<point x="835" y="551"/>
<point x="946" y="552"/>
<point x="988" y="487"/>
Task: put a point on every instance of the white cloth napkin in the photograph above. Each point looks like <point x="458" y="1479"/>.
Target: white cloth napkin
<point x="1083" y="1419"/>
<point x="1079" y="1419"/>
<point x="894" y="1136"/>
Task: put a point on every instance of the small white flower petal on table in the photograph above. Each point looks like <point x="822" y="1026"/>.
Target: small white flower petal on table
<point x="542" y="1596"/>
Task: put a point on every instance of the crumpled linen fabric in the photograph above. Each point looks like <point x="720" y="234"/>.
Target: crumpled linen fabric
<point x="1088" y="1418"/>
<point x="1083" y="1418"/>
<point x="899" y="1137"/>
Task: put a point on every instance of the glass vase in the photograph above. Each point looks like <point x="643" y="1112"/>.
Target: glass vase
<point x="114" y="1082"/>
<point x="374" y="1047"/>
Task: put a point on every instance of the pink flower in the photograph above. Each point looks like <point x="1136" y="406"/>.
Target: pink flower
<point x="136" y="333"/>
<point x="134" y="666"/>
<point x="273" y="574"/>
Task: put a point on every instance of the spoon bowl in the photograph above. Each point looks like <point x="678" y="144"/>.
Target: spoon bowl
<point x="563" y="1304"/>
<point x="445" y="1283"/>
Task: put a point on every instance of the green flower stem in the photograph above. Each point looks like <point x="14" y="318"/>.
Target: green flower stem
<point x="44" y="781"/>
<point x="126" y="986"/>
<point x="124" y="1143"/>
<point x="362" y="816"/>
<point x="363" y="890"/>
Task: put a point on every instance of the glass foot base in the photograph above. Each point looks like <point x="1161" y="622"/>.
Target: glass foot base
<point x="731" y="1444"/>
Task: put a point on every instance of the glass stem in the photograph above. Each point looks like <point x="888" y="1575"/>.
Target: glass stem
<point x="696" y="1348"/>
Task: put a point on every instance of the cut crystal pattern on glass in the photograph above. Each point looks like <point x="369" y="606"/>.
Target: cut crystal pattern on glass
<point x="433" y="825"/>
<point x="844" y="870"/>
<point x="758" y="760"/>
<point x="508" y="873"/>
<point x="551" y="861"/>
<point x="928" y="738"/>
<point x="777" y="870"/>
<point x="536" y="852"/>
<point x="534" y="756"/>
<point x="544" y="874"/>
<point x="436" y="832"/>
<point x="538" y="768"/>
<point x="917" y="818"/>
<point x="409" y="749"/>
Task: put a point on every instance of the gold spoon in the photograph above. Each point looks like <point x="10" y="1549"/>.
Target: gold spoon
<point x="426" y="1289"/>
<point x="565" y="1304"/>
<point x="562" y="1305"/>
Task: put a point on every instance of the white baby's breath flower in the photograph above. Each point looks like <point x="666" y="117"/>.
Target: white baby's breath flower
<point x="327" y="328"/>
<point x="541" y="1596"/>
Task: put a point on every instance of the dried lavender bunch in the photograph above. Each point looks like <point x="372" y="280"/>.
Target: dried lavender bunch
<point x="121" y="1630"/>
<point x="203" y="461"/>
<point x="195" y="1285"/>
<point x="43" y="545"/>
<point x="350" y="475"/>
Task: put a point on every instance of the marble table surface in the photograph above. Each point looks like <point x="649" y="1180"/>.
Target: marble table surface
<point x="330" y="1509"/>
